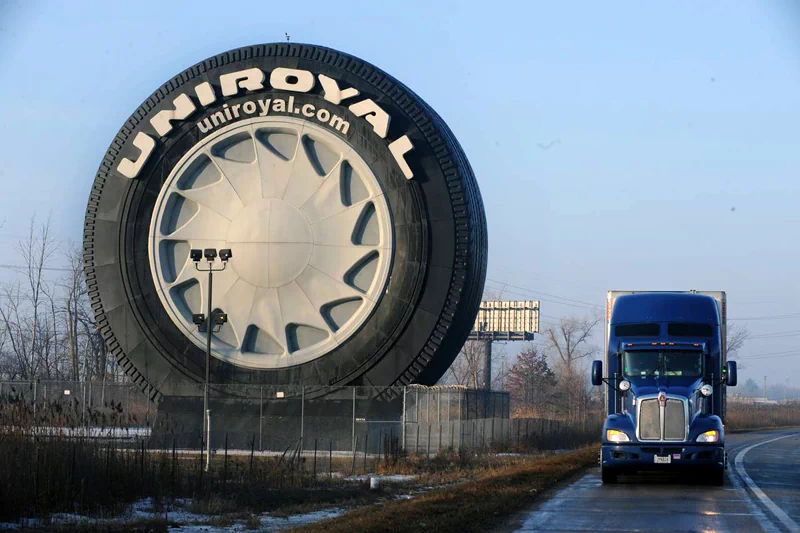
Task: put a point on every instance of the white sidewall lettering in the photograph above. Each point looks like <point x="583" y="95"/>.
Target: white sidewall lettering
<point x="183" y="108"/>
<point x="332" y="92"/>
<point x="249" y="108"/>
<point x="399" y="149"/>
<point x="373" y="114"/>
<point x="205" y="93"/>
<point x="146" y="144"/>
<point x="251" y="79"/>
<point x="279" y="79"/>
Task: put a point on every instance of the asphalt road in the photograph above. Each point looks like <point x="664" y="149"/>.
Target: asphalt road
<point x="761" y="493"/>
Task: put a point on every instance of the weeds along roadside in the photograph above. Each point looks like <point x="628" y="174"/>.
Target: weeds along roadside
<point x="476" y="505"/>
<point x="50" y="462"/>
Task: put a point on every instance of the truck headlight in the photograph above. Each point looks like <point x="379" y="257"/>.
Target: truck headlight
<point x="624" y="385"/>
<point x="612" y="435"/>
<point x="706" y="390"/>
<point x="708" y="436"/>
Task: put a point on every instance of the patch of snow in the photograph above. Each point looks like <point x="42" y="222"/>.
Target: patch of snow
<point x="274" y="523"/>
<point x="95" y="432"/>
<point x="175" y="512"/>
<point x="188" y="522"/>
<point x="267" y="522"/>
<point x="391" y="478"/>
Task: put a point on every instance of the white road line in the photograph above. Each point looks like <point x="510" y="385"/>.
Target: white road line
<point x="779" y="513"/>
<point x="766" y="524"/>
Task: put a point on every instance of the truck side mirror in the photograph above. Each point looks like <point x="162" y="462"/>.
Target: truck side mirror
<point x="597" y="372"/>
<point x="731" y="371"/>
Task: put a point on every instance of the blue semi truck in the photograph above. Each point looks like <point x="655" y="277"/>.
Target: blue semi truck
<point x="666" y="374"/>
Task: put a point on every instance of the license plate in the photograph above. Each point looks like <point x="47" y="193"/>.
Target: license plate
<point x="666" y="459"/>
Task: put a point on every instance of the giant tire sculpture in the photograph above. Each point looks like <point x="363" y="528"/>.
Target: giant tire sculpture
<point x="356" y="224"/>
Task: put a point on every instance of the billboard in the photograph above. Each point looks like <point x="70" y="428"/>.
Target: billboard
<point x="506" y="319"/>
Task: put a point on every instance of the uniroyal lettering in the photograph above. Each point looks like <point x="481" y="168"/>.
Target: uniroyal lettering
<point x="252" y="79"/>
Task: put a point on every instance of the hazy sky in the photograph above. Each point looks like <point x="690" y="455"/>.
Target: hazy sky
<point x="617" y="145"/>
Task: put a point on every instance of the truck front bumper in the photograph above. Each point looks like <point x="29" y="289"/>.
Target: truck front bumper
<point x="637" y="457"/>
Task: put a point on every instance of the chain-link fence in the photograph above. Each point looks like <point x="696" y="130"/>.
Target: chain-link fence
<point x="305" y="421"/>
<point x="372" y="420"/>
<point x="76" y="406"/>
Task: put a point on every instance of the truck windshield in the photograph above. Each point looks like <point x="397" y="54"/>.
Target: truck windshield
<point x="663" y="363"/>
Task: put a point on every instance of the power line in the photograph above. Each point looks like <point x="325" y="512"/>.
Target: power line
<point x="795" y="354"/>
<point x="23" y="267"/>
<point x="772" y="354"/>
<point x="776" y="335"/>
<point x="581" y="285"/>
<point x="579" y="304"/>
<point x="773" y="317"/>
<point x="27" y="237"/>
<point x="543" y="293"/>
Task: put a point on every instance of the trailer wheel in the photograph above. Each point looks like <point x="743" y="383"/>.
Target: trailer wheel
<point x="356" y="259"/>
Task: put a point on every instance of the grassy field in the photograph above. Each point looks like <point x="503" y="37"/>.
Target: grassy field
<point x="748" y="416"/>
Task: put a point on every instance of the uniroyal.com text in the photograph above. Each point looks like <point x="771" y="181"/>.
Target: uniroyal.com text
<point x="263" y="107"/>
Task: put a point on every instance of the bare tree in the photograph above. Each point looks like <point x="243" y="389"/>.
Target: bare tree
<point x="47" y="327"/>
<point x="467" y="369"/>
<point x="14" y="324"/>
<point x="569" y="340"/>
<point x="73" y="285"/>
<point x="36" y="250"/>
<point x="736" y="336"/>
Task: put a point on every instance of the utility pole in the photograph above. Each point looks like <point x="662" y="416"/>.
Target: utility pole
<point x="765" y="388"/>
<point x="487" y="369"/>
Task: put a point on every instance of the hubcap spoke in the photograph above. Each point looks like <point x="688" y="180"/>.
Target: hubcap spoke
<point x="298" y="310"/>
<point x="336" y="262"/>
<point x="204" y="225"/>
<point x="219" y="197"/>
<point x="266" y="315"/>
<point x="236" y="303"/>
<point x="275" y="153"/>
<point x="338" y="229"/>
<point x="322" y="289"/>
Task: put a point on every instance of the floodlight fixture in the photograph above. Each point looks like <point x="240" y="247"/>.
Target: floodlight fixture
<point x="198" y="318"/>
<point x="210" y="253"/>
<point x="225" y="254"/>
<point x="220" y="318"/>
<point x="196" y="255"/>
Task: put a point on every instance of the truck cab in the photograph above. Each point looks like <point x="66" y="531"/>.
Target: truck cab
<point x="665" y="375"/>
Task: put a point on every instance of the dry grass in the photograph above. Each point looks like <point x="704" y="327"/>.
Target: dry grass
<point x="476" y="505"/>
<point x="748" y="417"/>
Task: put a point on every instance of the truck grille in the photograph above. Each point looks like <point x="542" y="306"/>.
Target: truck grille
<point x="674" y="421"/>
<point x="650" y="420"/>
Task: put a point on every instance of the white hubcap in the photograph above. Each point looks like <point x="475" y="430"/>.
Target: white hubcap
<point x="310" y="232"/>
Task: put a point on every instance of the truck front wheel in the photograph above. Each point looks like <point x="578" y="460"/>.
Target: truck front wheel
<point x="718" y="477"/>
<point x="608" y="475"/>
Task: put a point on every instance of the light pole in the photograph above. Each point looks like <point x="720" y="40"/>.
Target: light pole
<point x="210" y="319"/>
